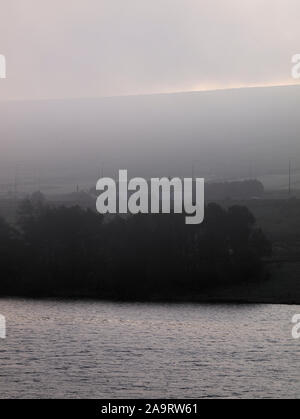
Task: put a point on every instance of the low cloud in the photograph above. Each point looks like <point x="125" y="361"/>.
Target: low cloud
<point x="62" y="49"/>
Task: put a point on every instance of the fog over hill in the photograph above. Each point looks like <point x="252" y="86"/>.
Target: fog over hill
<point x="223" y="134"/>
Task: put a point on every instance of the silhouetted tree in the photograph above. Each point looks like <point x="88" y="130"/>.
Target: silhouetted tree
<point x="11" y="253"/>
<point x="65" y="245"/>
<point x="76" y="252"/>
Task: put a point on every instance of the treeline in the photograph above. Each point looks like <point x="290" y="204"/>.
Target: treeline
<point x="68" y="252"/>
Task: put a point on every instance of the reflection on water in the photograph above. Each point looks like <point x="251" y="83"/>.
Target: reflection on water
<point x="103" y="350"/>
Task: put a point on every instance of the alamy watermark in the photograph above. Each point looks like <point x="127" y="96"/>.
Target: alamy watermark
<point x="296" y="66"/>
<point x="296" y="328"/>
<point x="164" y="195"/>
<point x="2" y="67"/>
<point x="2" y="327"/>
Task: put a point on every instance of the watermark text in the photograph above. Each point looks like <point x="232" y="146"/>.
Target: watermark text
<point x="154" y="196"/>
<point x="2" y="67"/>
<point x="2" y="327"/>
<point x="296" y="66"/>
<point x="296" y="328"/>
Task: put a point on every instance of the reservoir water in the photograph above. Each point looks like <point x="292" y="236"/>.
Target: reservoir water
<point x="74" y="349"/>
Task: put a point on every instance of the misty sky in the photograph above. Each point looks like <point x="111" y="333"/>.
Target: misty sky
<point x="91" y="48"/>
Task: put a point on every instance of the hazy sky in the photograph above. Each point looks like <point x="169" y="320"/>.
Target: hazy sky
<point x="88" y="48"/>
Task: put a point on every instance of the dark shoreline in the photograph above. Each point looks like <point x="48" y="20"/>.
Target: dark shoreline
<point x="170" y="301"/>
